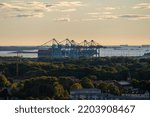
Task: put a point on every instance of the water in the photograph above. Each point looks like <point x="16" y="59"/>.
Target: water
<point x="12" y="54"/>
<point x="104" y="52"/>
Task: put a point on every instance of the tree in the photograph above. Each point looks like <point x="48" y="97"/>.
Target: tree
<point x="42" y="87"/>
<point x="135" y="83"/>
<point x="76" y="86"/>
<point x="148" y="86"/>
<point x="113" y="89"/>
<point x="36" y="72"/>
<point x="103" y="86"/>
<point x="4" y="81"/>
<point x="58" y="90"/>
<point x="67" y="82"/>
<point x="87" y="83"/>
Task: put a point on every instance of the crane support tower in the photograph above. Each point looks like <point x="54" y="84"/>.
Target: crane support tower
<point x="69" y="48"/>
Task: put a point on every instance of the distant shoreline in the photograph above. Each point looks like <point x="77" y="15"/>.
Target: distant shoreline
<point x="21" y="48"/>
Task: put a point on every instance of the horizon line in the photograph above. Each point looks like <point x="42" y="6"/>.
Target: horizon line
<point x="100" y="44"/>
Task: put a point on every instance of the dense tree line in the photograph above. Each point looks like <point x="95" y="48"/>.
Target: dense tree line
<point x="59" y="88"/>
<point x="54" y="78"/>
<point x="115" y="68"/>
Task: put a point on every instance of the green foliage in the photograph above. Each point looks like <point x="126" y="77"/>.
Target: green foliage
<point x="135" y="83"/>
<point x="42" y="87"/>
<point x="54" y="78"/>
<point x="67" y="82"/>
<point x="36" y="72"/>
<point x="76" y="86"/>
<point x="113" y="68"/>
<point x="113" y="89"/>
<point x="4" y="81"/>
<point x="87" y="83"/>
<point x="103" y="86"/>
<point x="58" y="89"/>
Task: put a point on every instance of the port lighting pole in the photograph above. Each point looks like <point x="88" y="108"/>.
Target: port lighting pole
<point x="17" y="65"/>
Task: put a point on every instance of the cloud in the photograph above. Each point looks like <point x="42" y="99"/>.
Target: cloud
<point x="22" y="10"/>
<point x="68" y="10"/>
<point x="39" y="15"/>
<point x="101" y="17"/>
<point x="142" y="6"/>
<point x="107" y="13"/>
<point x="69" y="4"/>
<point x="89" y="19"/>
<point x="36" y="9"/>
<point x="64" y="6"/>
<point x="110" y="16"/>
<point x="135" y="16"/>
<point x="6" y="6"/>
<point x="93" y="13"/>
<point x="110" y="8"/>
<point x="24" y="15"/>
<point x="64" y="19"/>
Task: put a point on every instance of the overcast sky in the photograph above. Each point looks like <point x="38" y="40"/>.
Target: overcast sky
<point x="109" y="22"/>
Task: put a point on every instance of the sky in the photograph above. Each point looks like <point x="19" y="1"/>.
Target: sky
<point x="108" y="22"/>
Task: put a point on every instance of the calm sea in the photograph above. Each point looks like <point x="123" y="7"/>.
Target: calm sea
<point x="110" y="51"/>
<point x="12" y="54"/>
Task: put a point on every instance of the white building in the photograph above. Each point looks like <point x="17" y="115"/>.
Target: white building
<point x="97" y="94"/>
<point x="137" y="95"/>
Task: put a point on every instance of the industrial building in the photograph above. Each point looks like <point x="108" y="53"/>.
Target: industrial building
<point x="97" y="94"/>
<point x="69" y="48"/>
